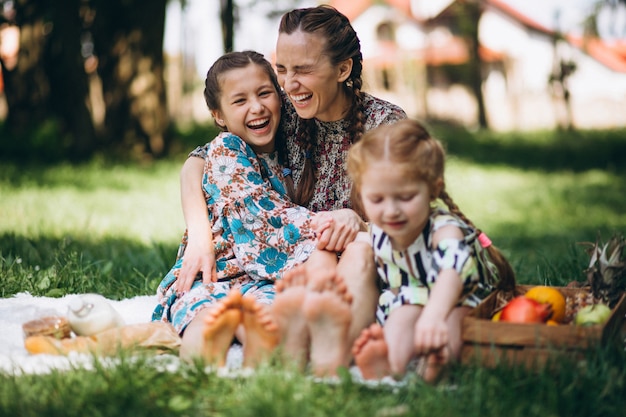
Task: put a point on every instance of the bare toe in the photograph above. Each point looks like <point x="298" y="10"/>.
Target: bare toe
<point x="370" y="353"/>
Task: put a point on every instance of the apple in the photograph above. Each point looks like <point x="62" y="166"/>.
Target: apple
<point x="592" y="314"/>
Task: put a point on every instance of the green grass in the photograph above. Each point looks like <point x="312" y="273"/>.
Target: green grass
<point x="114" y="229"/>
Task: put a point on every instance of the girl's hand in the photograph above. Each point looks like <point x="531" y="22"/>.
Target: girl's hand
<point x="199" y="257"/>
<point x="341" y="231"/>
<point x="431" y="334"/>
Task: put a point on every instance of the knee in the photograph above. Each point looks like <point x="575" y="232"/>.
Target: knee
<point x="359" y="255"/>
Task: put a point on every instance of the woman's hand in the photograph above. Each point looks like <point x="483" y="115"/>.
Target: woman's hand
<point x="339" y="232"/>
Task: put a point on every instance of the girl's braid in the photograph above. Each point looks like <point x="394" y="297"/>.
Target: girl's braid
<point x="506" y="274"/>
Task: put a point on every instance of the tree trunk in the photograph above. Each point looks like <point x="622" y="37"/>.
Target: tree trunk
<point x="471" y="11"/>
<point x="27" y="87"/>
<point x="128" y="37"/>
<point x="69" y="86"/>
<point x="227" y="18"/>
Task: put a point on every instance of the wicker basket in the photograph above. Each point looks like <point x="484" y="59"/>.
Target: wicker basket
<point x="491" y="342"/>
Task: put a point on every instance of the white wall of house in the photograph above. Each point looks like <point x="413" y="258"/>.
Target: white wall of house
<point x="524" y="101"/>
<point x="517" y="95"/>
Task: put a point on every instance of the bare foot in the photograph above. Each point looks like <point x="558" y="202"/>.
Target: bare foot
<point x="434" y="363"/>
<point x="289" y="317"/>
<point x="261" y="332"/>
<point x="221" y="323"/>
<point x="370" y="353"/>
<point x="327" y="311"/>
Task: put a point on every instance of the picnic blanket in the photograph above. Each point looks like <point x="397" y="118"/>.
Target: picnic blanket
<point x="23" y="307"/>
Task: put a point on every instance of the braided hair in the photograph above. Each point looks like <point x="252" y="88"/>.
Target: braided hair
<point x="418" y="156"/>
<point x="341" y="43"/>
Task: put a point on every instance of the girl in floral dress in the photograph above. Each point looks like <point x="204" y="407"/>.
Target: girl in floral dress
<point x="257" y="232"/>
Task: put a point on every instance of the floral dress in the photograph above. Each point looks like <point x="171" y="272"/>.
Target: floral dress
<point x="258" y="233"/>
<point x="409" y="275"/>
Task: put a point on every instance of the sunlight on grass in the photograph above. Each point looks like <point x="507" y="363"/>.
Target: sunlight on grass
<point x="94" y="202"/>
<point x="536" y="203"/>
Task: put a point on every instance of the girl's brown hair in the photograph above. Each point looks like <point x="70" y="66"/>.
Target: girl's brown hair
<point x="418" y="156"/>
<point x="342" y="43"/>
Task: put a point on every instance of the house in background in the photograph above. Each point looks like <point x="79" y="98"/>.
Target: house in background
<point x="533" y="76"/>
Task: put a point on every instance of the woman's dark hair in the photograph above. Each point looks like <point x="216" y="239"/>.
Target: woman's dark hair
<point x="342" y="43"/>
<point x="213" y="89"/>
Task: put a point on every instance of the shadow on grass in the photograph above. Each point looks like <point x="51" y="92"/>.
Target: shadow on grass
<point x="116" y="268"/>
<point x="548" y="151"/>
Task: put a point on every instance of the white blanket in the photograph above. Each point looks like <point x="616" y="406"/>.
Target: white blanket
<point x="23" y="307"/>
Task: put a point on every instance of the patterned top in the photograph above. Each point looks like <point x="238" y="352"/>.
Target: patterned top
<point x="256" y="229"/>
<point x="332" y="190"/>
<point x="409" y="275"/>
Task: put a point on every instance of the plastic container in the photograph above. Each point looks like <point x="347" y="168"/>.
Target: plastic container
<point x="89" y="314"/>
<point x="54" y="326"/>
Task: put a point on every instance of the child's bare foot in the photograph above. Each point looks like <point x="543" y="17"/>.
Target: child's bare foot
<point x="370" y="353"/>
<point x="328" y="315"/>
<point x="261" y="332"/>
<point x="434" y="363"/>
<point x="289" y="316"/>
<point x="221" y="322"/>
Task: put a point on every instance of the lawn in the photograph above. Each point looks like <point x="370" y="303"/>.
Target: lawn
<point x="114" y="228"/>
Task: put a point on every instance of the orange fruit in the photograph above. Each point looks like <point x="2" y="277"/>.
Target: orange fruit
<point x="545" y="294"/>
<point x="552" y="322"/>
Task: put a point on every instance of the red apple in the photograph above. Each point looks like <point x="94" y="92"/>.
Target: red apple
<point x="525" y="310"/>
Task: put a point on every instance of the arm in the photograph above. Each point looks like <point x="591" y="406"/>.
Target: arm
<point x="199" y="255"/>
<point x="431" y="330"/>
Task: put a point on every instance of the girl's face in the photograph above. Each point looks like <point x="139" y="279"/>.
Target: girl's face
<point x="398" y="205"/>
<point x="312" y="82"/>
<point x="249" y="106"/>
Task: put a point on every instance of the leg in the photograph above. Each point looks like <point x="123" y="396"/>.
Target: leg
<point x="327" y="311"/>
<point x="371" y="354"/>
<point x="209" y="335"/>
<point x="289" y="317"/>
<point x="437" y="360"/>
<point x="261" y="332"/>
<point x="399" y="334"/>
<point x="358" y="270"/>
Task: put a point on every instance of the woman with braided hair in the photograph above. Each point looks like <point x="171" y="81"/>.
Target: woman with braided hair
<point x="434" y="263"/>
<point x="319" y="65"/>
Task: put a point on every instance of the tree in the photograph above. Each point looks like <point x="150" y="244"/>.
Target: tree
<point x="50" y="82"/>
<point x="468" y="16"/>
<point x="227" y="18"/>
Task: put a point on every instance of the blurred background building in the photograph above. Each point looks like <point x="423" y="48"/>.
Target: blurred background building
<point x="537" y="66"/>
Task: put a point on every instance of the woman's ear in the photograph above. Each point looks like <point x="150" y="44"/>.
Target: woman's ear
<point x="345" y="69"/>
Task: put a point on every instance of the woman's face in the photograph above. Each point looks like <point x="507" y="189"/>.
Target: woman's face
<point x="249" y="106"/>
<point x="312" y="82"/>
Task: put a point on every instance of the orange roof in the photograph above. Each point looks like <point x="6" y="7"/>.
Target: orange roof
<point x="611" y="55"/>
